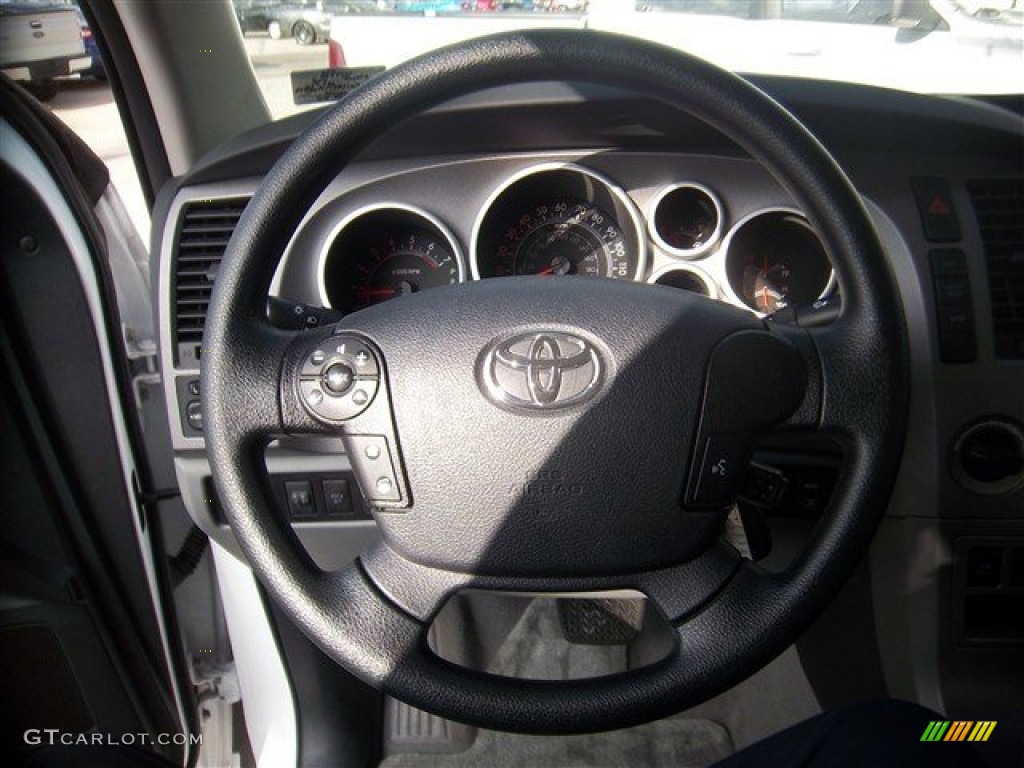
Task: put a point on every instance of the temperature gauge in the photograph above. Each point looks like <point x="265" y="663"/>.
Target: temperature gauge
<point x="775" y="260"/>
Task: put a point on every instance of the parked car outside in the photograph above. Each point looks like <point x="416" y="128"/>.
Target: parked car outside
<point x="92" y="50"/>
<point x="307" y="22"/>
<point x="39" y="42"/>
<point x="566" y="6"/>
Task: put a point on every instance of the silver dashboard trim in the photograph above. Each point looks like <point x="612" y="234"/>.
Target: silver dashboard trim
<point x="221" y="191"/>
<point x="712" y="287"/>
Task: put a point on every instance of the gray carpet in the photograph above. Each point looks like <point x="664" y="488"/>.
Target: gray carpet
<point x="536" y="649"/>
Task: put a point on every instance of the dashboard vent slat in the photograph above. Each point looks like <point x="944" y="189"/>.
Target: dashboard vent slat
<point x="999" y="208"/>
<point x="206" y="245"/>
<point x="204" y="229"/>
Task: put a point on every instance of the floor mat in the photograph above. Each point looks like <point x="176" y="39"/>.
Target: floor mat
<point x="673" y="743"/>
<point x="537" y="649"/>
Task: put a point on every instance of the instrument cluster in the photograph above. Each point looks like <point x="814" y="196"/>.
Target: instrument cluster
<point x="568" y="220"/>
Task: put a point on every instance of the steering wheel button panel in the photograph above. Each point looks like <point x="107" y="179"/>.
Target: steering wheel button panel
<point x="339" y="378"/>
<point x="370" y="458"/>
<point x="337" y="408"/>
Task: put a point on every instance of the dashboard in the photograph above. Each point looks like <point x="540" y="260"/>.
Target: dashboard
<point x="585" y="182"/>
<point x="707" y="225"/>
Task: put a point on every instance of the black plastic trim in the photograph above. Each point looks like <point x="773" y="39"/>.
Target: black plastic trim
<point x="339" y="718"/>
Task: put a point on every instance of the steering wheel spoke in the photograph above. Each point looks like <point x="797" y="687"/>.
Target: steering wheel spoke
<point x="370" y="631"/>
<point x="848" y="367"/>
<point x="806" y="416"/>
<point x="707" y="604"/>
<point x="247" y="380"/>
<point x="420" y="591"/>
<point x="857" y="366"/>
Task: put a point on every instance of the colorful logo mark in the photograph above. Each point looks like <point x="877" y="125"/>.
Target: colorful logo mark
<point x="958" y="730"/>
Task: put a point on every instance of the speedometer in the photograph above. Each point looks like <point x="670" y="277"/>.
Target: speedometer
<point x="559" y="220"/>
<point x="563" y="237"/>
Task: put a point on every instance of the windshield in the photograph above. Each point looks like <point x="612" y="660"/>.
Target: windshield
<point x="971" y="47"/>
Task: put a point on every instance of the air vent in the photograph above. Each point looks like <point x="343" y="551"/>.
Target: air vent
<point x="999" y="206"/>
<point x="203" y="235"/>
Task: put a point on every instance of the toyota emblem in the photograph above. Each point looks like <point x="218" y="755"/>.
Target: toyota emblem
<point x="541" y="371"/>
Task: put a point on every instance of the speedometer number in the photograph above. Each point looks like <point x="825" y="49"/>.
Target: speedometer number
<point x="563" y="238"/>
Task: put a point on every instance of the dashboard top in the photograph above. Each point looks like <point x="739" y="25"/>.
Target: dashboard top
<point x="462" y="176"/>
<point x="539" y="116"/>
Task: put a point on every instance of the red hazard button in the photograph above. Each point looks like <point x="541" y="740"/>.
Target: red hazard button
<point x="935" y="205"/>
<point x="939" y="207"/>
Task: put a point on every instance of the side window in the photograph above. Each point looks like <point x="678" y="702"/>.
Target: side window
<point x="84" y="102"/>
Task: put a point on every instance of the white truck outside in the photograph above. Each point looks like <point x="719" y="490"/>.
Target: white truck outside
<point x="928" y="46"/>
<point x="387" y="39"/>
<point x="40" y="42"/>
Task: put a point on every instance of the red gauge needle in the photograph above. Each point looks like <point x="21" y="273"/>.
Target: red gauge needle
<point x="378" y="292"/>
<point x="548" y="271"/>
<point x="763" y="296"/>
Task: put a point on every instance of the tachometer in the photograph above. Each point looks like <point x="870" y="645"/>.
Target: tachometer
<point x="387" y="253"/>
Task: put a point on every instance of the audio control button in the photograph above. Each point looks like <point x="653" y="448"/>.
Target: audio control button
<point x="312" y="364"/>
<point x="337" y="408"/>
<point x="370" y="456"/>
<point x="338" y="378"/>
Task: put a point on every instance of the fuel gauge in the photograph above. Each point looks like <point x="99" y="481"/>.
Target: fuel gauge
<point x="686" y="219"/>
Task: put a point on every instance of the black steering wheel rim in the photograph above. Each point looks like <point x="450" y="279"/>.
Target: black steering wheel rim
<point x="360" y="616"/>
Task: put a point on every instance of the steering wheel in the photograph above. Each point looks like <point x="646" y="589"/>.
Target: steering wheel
<point x="553" y="435"/>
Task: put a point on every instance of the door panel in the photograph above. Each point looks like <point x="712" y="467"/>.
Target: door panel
<point x="83" y="645"/>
